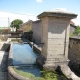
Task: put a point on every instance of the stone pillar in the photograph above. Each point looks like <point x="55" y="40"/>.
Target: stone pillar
<point x="55" y="36"/>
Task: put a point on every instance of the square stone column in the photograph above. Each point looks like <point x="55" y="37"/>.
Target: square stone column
<point x="55" y="36"/>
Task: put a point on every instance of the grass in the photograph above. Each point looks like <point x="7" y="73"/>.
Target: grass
<point x="25" y="74"/>
<point x="45" y="75"/>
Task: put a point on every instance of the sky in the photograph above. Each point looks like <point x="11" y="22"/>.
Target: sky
<point x="29" y="9"/>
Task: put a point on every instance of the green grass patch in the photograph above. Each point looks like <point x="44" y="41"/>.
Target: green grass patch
<point x="45" y="75"/>
<point x="25" y="74"/>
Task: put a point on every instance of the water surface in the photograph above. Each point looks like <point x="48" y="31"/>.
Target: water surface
<point x="23" y="54"/>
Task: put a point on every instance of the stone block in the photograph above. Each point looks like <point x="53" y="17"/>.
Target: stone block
<point x="54" y="41"/>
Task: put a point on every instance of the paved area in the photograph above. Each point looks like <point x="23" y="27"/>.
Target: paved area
<point x="3" y="65"/>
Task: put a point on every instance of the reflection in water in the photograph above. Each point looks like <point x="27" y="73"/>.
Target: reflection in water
<point x="23" y="54"/>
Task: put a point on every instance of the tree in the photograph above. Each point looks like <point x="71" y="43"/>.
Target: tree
<point x="77" y="31"/>
<point x="16" y="23"/>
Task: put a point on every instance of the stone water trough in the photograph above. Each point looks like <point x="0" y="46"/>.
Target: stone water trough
<point x="54" y="53"/>
<point x="21" y="56"/>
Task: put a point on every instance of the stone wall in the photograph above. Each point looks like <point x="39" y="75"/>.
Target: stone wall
<point x="74" y="54"/>
<point x="74" y="50"/>
<point x="37" y="30"/>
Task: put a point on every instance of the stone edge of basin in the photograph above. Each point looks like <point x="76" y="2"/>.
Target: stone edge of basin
<point x="12" y="75"/>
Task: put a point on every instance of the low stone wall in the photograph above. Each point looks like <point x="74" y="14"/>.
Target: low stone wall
<point x="74" y="53"/>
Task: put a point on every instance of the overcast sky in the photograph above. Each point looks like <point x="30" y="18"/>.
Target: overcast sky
<point x="29" y="9"/>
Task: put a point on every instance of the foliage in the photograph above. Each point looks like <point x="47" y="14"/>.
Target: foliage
<point x="49" y="75"/>
<point x="4" y="30"/>
<point x="1" y="30"/>
<point x="16" y="23"/>
<point x="53" y="75"/>
<point x="77" y="31"/>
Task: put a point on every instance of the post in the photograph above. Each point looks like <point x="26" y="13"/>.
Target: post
<point x="55" y="36"/>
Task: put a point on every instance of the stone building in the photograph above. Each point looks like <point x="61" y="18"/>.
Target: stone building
<point x="37" y="31"/>
<point x="27" y="26"/>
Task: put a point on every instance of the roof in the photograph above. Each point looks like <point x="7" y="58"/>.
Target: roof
<point x="57" y="13"/>
<point x="29" y="21"/>
<point x="37" y="21"/>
